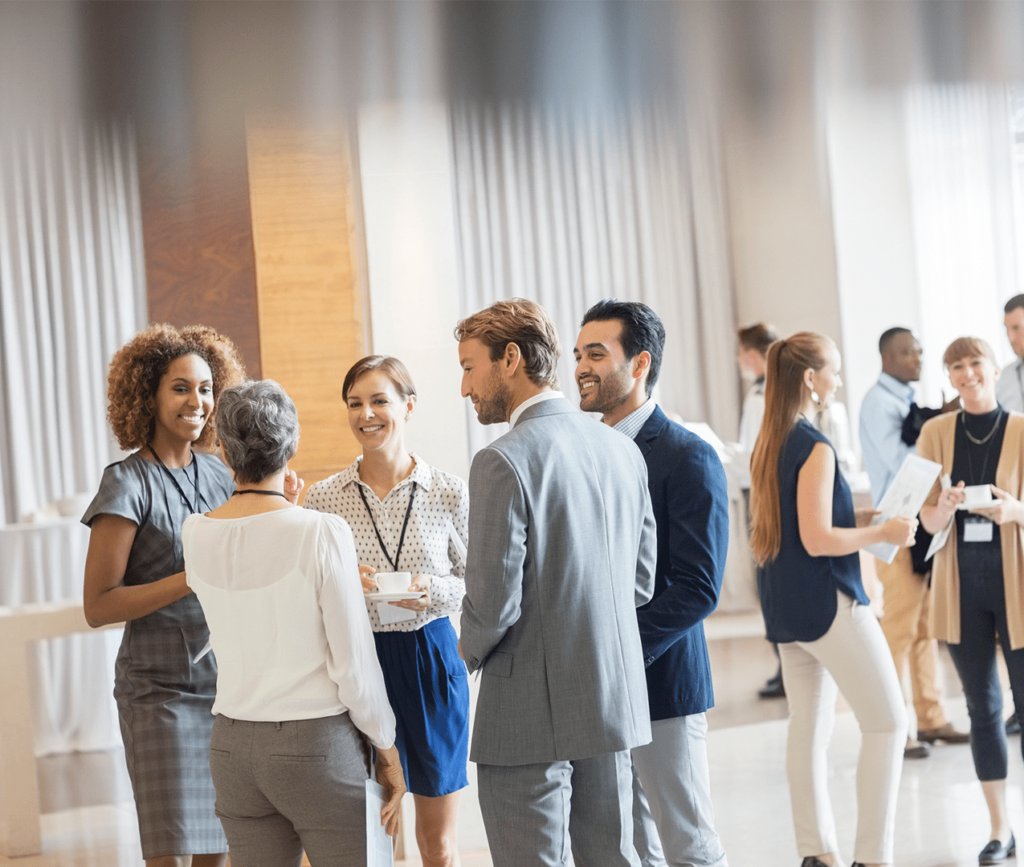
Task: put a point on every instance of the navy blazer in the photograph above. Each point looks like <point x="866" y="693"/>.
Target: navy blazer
<point x="691" y="508"/>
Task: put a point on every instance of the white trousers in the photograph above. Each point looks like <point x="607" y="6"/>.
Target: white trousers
<point x="854" y="658"/>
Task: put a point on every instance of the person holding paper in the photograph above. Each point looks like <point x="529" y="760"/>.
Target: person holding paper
<point x="300" y="695"/>
<point x="978" y="574"/>
<point x="409" y="517"/>
<point x="805" y="537"/>
<point x="904" y="621"/>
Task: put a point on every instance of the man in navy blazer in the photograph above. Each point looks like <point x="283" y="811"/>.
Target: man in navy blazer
<point x="618" y="357"/>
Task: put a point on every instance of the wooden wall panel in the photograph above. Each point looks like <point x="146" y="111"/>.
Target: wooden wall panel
<point x="197" y="231"/>
<point x="312" y="309"/>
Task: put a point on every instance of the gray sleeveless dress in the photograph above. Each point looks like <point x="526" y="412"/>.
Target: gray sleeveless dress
<point x="164" y="699"/>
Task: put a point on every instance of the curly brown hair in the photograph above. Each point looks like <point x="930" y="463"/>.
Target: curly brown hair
<point x="135" y="372"/>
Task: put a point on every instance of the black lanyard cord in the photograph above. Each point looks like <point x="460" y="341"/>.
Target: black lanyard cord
<point x="170" y="475"/>
<point x="405" y="524"/>
<point x="988" y="448"/>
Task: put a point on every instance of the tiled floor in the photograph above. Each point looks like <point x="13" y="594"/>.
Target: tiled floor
<point x="942" y="819"/>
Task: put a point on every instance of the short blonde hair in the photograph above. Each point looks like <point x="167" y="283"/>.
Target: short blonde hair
<point x="968" y="347"/>
<point x="524" y="323"/>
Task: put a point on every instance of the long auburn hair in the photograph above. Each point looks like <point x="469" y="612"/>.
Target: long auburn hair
<point x="784" y="394"/>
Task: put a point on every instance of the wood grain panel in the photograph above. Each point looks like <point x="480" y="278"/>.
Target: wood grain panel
<point x="311" y="303"/>
<point x="197" y="232"/>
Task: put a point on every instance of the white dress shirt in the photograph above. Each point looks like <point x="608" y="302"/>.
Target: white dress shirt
<point x="751" y="417"/>
<point x="282" y="596"/>
<point x="1010" y="386"/>
<point x="440" y="510"/>
<point x="885" y="406"/>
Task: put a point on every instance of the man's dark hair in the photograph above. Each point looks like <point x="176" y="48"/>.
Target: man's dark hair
<point x="758" y="336"/>
<point x="642" y="330"/>
<point x="887" y="337"/>
<point x="1017" y="301"/>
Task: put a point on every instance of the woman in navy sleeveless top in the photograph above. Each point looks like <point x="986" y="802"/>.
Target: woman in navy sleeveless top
<point x="805" y="538"/>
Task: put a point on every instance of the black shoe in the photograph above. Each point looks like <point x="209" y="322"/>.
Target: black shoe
<point x="1013" y="724"/>
<point x="995" y="852"/>
<point x="773" y="687"/>
<point x="811" y="861"/>
<point x="921" y="751"/>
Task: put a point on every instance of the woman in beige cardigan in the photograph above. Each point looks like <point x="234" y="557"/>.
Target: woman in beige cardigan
<point x="977" y="578"/>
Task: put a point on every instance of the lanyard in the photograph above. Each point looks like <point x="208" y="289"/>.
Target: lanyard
<point x="170" y="475"/>
<point x="405" y="523"/>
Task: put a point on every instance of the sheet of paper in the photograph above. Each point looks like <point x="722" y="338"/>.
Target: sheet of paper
<point x="457" y="544"/>
<point x="939" y="539"/>
<point x="904" y="497"/>
<point x="379" y="850"/>
<point x="388" y="613"/>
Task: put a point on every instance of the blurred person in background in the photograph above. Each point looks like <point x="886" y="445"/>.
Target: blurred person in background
<point x="884" y="414"/>
<point x="978" y="574"/>
<point x="806" y="536"/>
<point x="1010" y="393"/>
<point x="754" y="341"/>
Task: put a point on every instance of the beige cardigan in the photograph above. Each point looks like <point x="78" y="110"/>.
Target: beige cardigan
<point x="936" y="444"/>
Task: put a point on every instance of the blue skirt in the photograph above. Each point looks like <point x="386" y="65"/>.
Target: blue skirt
<point x="429" y="693"/>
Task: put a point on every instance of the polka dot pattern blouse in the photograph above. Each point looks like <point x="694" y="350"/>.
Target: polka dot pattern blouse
<point x="440" y="508"/>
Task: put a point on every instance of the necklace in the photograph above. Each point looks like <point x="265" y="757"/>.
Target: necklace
<point x="988" y="436"/>
<point x="254" y="491"/>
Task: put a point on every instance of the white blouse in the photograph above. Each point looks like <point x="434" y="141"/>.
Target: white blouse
<point x="281" y="594"/>
<point x="435" y="540"/>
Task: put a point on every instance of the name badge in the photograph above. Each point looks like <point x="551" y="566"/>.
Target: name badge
<point x="977" y="529"/>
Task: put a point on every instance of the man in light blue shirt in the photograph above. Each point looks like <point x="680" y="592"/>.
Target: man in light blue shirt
<point x="905" y="619"/>
<point x="1010" y="385"/>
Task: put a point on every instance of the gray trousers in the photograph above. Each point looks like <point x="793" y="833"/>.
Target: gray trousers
<point x="537" y="814"/>
<point x="672" y="772"/>
<point x="288" y="786"/>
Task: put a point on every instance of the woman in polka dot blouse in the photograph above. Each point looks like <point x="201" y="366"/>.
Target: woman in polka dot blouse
<point x="407" y="516"/>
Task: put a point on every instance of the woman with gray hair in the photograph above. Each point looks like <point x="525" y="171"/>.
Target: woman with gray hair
<point x="300" y="694"/>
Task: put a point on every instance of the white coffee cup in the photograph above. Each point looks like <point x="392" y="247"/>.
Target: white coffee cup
<point x="393" y="582"/>
<point x="977" y="495"/>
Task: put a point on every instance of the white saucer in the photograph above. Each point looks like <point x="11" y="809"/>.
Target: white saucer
<point x="988" y="505"/>
<point x="394" y="597"/>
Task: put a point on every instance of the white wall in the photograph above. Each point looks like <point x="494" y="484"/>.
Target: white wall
<point x="408" y="211"/>
<point x="875" y="259"/>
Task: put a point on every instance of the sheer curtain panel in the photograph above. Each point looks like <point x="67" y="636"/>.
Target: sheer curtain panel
<point x="567" y="206"/>
<point x="72" y="291"/>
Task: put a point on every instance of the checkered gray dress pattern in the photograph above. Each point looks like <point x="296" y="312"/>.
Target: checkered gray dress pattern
<point x="164" y="699"/>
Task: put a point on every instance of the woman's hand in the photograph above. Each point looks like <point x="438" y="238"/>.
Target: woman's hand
<point x="388" y="768"/>
<point x="899" y="531"/>
<point x="293" y="486"/>
<point x="949" y="499"/>
<point x="1008" y="511"/>
<point x="864" y="516"/>
<point x="419" y="582"/>
<point x="366" y="574"/>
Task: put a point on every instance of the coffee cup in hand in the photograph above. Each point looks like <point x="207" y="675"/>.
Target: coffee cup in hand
<point x="977" y="495"/>
<point x="393" y="582"/>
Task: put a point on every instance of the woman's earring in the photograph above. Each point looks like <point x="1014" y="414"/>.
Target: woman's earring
<point x="814" y="396"/>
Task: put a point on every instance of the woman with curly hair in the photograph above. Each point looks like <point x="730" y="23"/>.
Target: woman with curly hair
<point x="162" y="388"/>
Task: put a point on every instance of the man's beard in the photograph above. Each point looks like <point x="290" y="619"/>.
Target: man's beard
<point x="494" y="409"/>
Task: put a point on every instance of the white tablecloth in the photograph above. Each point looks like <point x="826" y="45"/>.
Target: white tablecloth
<point x="73" y="706"/>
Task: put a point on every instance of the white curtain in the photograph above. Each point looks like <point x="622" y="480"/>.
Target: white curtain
<point x="569" y="206"/>
<point x="960" y="157"/>
<point x="72" y="290"/>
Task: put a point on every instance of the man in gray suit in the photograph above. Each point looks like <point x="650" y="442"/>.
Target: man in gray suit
<point x="562" y="547"/>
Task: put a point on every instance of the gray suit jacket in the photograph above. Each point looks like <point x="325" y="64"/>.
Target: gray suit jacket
<point x="562" y="548"/>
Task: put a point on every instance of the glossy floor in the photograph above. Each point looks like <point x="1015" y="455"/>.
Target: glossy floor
<point x="89" y="818"/>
